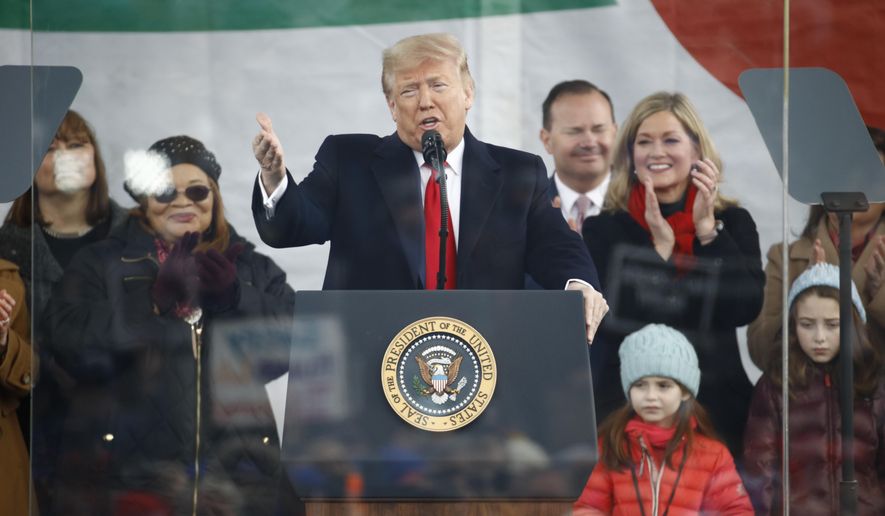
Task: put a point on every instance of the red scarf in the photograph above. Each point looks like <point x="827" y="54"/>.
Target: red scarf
<point x="653" y="435"/>
<point x="682" y="222"/>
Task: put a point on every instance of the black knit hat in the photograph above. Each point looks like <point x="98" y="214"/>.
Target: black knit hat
<point x="184" y="149"/>
<point x="174" y="150"/>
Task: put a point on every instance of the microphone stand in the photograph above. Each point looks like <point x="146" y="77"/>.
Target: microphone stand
<point x="843" y="204"/>
<point x="438" y="169"/>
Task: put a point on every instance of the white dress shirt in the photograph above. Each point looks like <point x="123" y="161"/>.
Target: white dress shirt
<point x="568" y="198"/>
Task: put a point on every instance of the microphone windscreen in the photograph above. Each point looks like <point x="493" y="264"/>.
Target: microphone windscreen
<point x="427" y="142"/>
<point x="432" y="146"/>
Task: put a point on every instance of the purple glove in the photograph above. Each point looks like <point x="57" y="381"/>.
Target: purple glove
<point x="219" y="288"/>
<point x="176" y="283"/>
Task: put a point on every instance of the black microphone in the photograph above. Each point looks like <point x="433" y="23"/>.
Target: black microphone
<point x="433" y="149"/>
<point x="435" y="154"/>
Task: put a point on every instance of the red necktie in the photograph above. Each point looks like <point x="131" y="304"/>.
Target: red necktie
<point x="431" y="238"/>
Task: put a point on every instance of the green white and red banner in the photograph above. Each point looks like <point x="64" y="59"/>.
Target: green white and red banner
<point x="205" y="67"/>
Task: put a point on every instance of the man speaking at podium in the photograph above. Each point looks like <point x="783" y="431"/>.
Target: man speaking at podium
<point x="372" y="196"/>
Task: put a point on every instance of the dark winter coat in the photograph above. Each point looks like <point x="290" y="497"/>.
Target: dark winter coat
<point x="815" y="448"/>
<point x="39" y="269"/>
<point x="150" y="374"/>
<point x="707" y="303"/>
<point x="28" y="248"/>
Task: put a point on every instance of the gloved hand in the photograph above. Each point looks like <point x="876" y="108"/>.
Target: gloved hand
<point x="176" y="282"/>
<point x="219" y="287"/>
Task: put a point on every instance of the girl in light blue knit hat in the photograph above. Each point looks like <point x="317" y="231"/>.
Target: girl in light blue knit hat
<point x="814" y="409"/>
<point x="658" y="454"/>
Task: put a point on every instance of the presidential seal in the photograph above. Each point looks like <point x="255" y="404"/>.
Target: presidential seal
<point x="438" y="374"/>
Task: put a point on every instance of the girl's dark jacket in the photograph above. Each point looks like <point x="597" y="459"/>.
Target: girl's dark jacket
<point x="815" y="448"/>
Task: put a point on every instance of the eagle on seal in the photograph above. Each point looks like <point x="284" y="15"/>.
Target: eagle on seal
<point x="436" y="378"/>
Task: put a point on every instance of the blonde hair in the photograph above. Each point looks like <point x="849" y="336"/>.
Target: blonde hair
<point x="412" y="51"/>
<point x="623" y="178"/>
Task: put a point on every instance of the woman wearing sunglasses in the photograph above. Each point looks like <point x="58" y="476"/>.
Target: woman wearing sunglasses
<point x="139" y="311"/>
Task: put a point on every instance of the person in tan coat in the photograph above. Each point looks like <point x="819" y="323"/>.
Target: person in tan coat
<point x="819" y="243"/>
<point x="15" y="383"/>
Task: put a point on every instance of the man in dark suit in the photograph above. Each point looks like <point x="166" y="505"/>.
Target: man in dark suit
<point x="365" y="193"/>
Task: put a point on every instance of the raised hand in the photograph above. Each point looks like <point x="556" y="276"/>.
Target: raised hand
<point x="269" y="152"/>
<point x="217" y="274"/>
<point x="817" y="253"/>
<point x="176" y="283"/>
<point x="662" y="235"/>
<point x="705" y="177"/>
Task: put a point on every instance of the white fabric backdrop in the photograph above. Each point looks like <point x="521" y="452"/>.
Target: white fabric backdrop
<point x="140" y="87"/>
